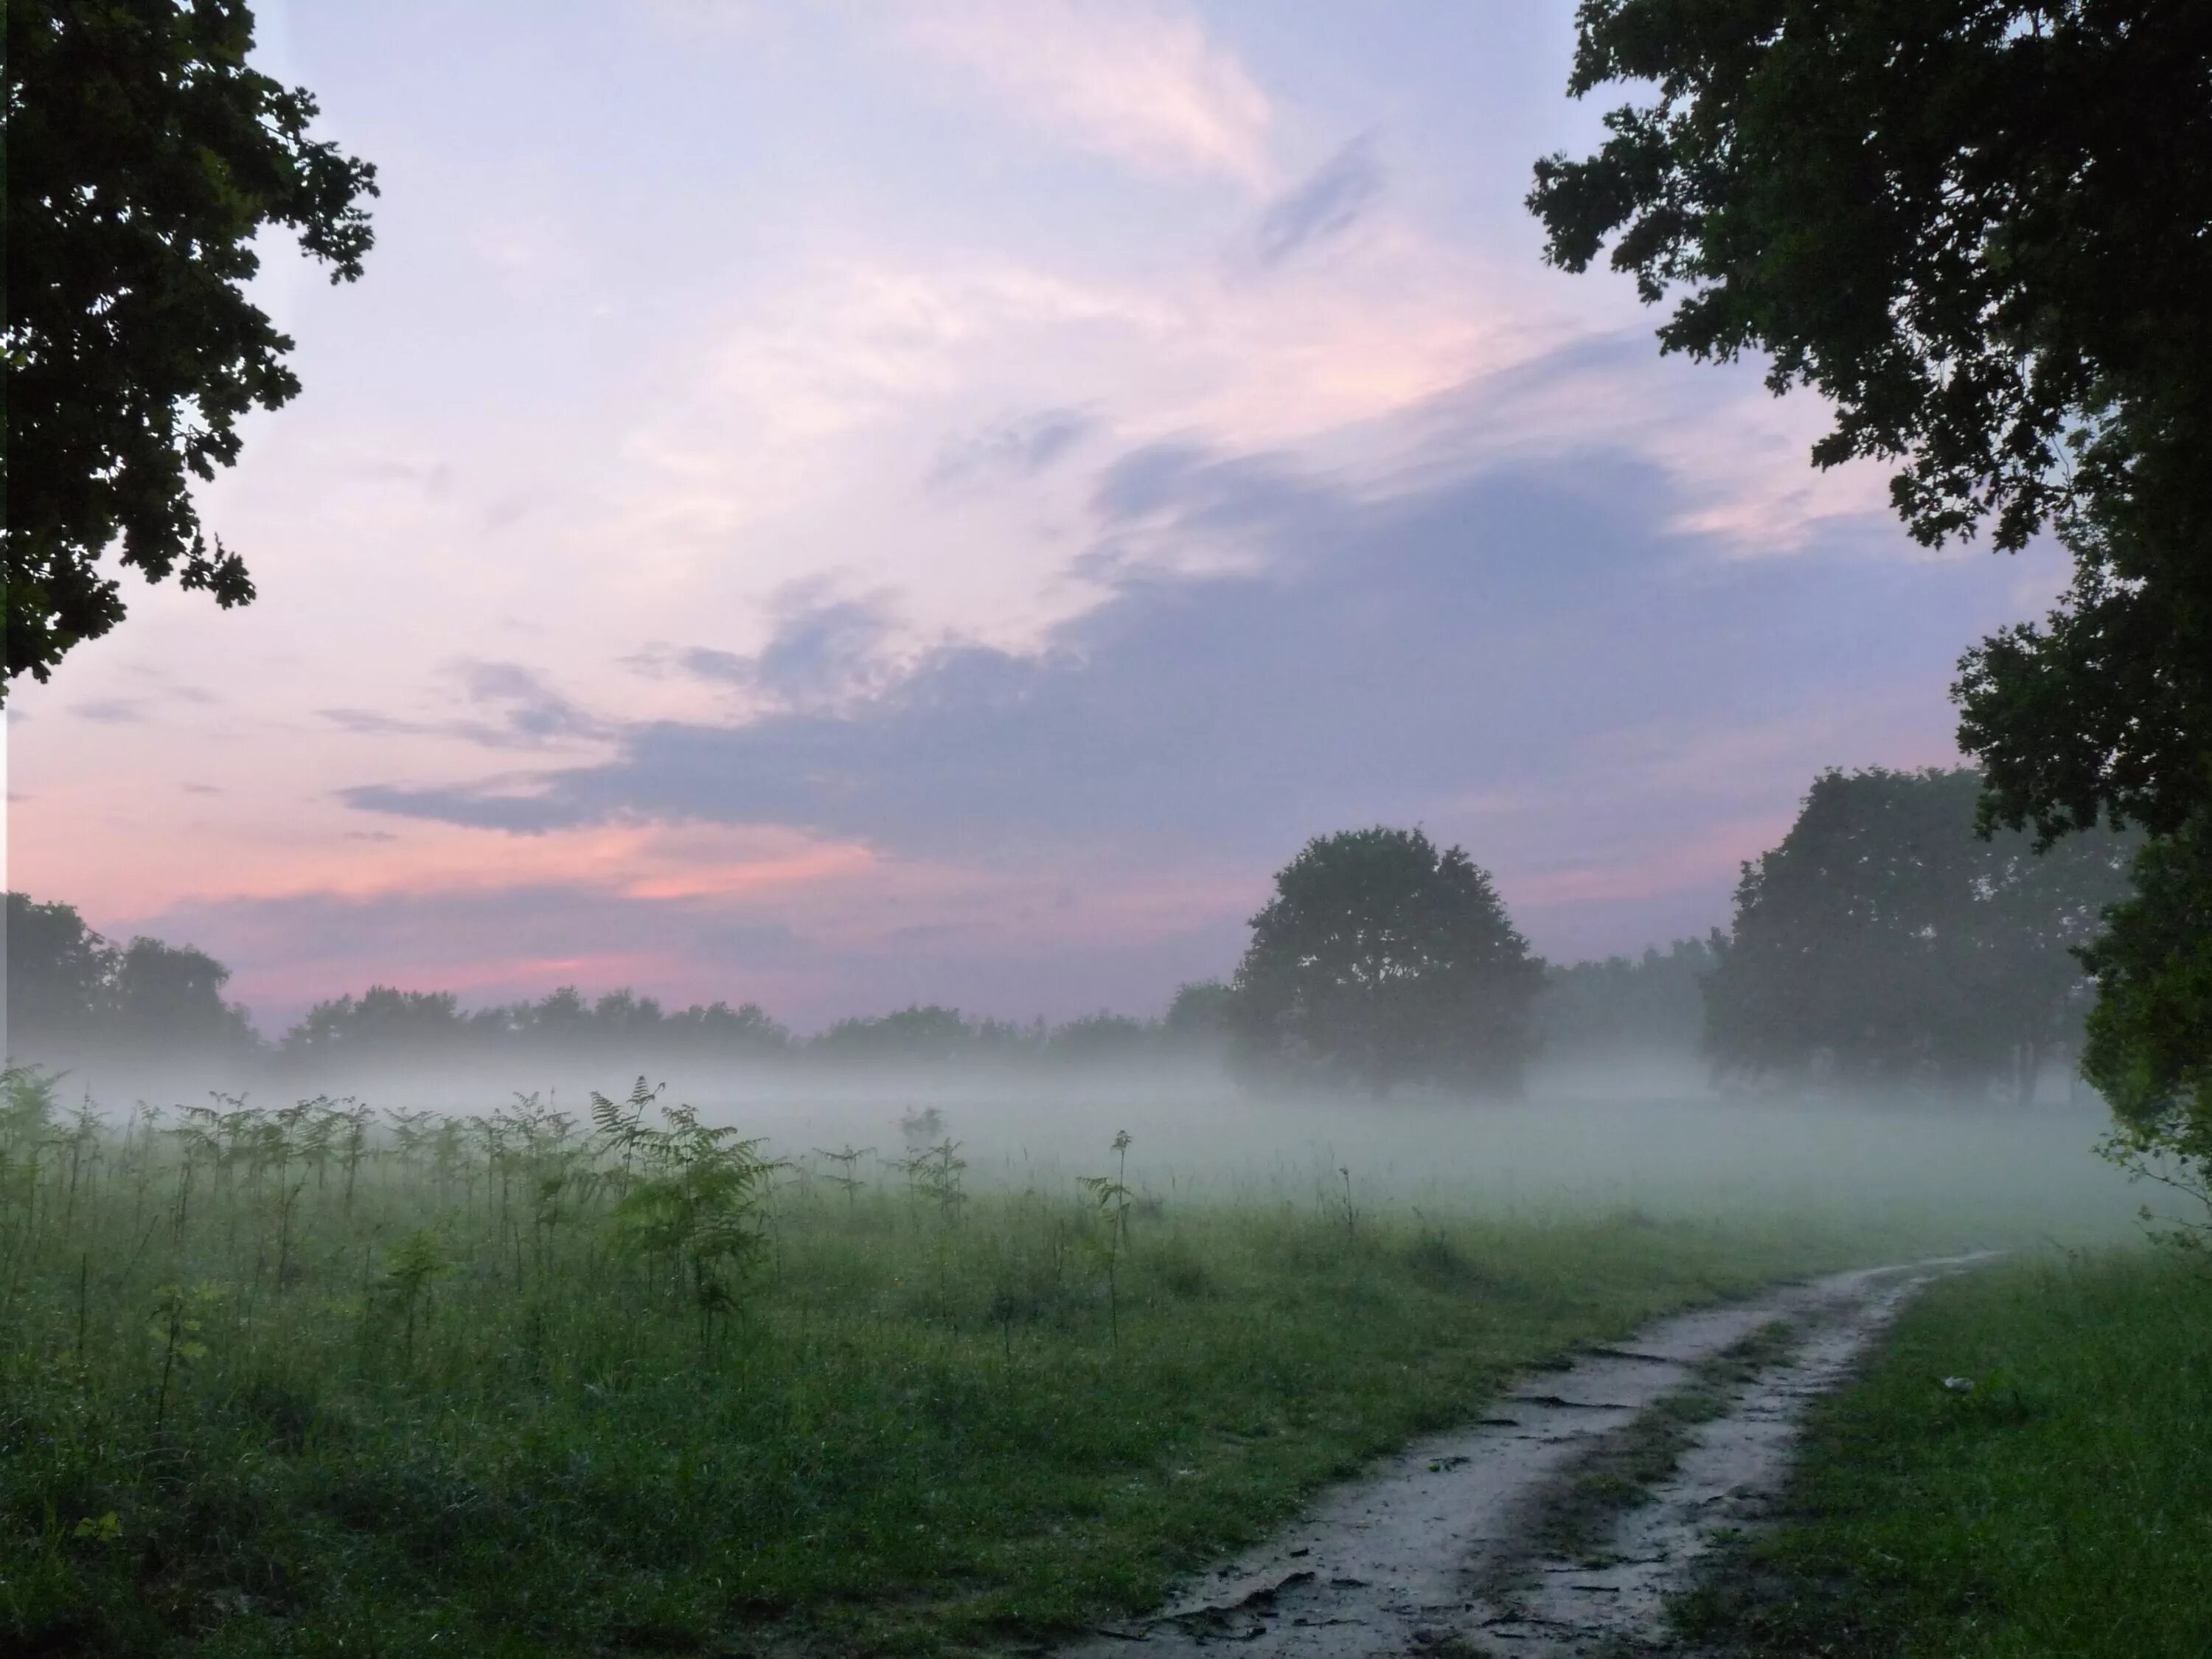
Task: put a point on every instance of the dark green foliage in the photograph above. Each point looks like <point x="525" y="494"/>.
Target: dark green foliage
<point x="1883" y="944"/>
<point x="1979" y="229"/>
<point x="1197" y="1018"/>
<point x="143" y="157"/>
<point x="380" y="1021"/>
<point x="467" y="1419"/>
<point x="2104" y="711"/>
<point x="2149" y="1048"/>
<point x="1382" y="961"/>
<point x="170" y="996"/>
<point x="1099" y="1039"/>
<point x="2147" y="1038"/>
<point x="384" y="1024"/>
<point x="2060" y="1504"/>
<point x="921" y="1036"/>
<point x="58" y="974"/>
<point x="1983" y="231"/>
<point x="1654" y="1003"/>
<point x="69" y="990"/>
<point x="689" y="1196"/>
<point x="71" y="995"/>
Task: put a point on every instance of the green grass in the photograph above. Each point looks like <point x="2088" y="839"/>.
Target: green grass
<point x="2062" y="1508"/>
<point x="612" y="1416"/>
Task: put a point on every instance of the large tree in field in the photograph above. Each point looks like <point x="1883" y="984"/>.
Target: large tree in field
<point x="143" y="156"/>
<point x="1883" y="944"/>
<point x="1381" y="961"/>
<point x="1982" y="229"/>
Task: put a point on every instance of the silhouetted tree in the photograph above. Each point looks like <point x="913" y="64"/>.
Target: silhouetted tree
<point x="383" y="1023"/>
<point x="2149" y="1049"/>
<point x="58" y="973"/>
<point x="144" y="158"/>
<point x="1382" y="961"/>
<point x="168" y="999"/>
<point x="1197" y="1021"/>
<point x="1620" y="1005"/>
<point x="561" y="1019"/>
<point x="70" y="991"/>
<point x="1983" y="231"/>
<point x="718" y="1028"/>
<point x="1100" y="1039"/>
<point x="927" y="1035"/>
<point x="623" y="1014"/>
<point x="1883" y="944"/>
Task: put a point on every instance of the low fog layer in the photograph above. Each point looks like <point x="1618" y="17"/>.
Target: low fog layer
<point x="1976" y="1170"/>
<point x="1891" y="1021"/>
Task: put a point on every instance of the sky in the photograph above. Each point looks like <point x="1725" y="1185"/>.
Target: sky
<point x="840" y="505"/>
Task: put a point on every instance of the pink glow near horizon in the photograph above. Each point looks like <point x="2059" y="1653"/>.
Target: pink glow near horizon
<point x="748" y="404"/>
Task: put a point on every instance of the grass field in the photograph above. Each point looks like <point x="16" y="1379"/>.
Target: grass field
<point x="300" y="1382"/>
<point x="2061" y="1508"/>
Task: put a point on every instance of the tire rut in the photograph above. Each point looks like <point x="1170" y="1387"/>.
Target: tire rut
<point x="1439" y="1549"/>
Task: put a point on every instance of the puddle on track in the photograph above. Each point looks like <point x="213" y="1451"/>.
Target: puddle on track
<point x="1428" y="1552"/>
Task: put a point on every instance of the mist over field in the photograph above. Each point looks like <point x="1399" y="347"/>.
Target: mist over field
<point x="1976" y="1172"/>
<point x="1887" y="1032"/>
<point x="1645" y="1135"/>
<point x="994" y="827"/>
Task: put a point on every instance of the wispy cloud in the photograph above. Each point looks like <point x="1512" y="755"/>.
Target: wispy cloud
<point x="825" y="652"/>
<point x="524" y="712"/>
<point x="1324" y="206"/>
<point x="1019" y="447"/>
<point x="1140" y="81"/>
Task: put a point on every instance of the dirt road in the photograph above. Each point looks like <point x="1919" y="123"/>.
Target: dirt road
<point x="1554" y="1527"/>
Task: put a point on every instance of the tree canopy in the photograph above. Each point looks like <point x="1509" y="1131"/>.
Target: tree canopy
<point x="69" y="991"/>
<point x="1623" y="1006"/>
<point x="2149" y="1049"/>
<point x="143" y="157"/>
<point x="1982" y="229"/>
<point x="1382" y="961"/>
<point x="1978" y="229"/>
<point x="1883" y="944"/>
<point x="384" y="1024"/>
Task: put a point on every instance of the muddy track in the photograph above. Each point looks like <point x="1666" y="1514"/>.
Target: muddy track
<point x="1559" y="1524"/>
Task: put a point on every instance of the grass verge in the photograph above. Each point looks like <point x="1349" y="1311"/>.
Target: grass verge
<point x="2062" y="1506"/>
<point x="507" y="1385"/>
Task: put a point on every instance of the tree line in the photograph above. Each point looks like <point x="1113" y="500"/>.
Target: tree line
<point x="72" y="994"/>
<point x="1893" y="941"/>
<point x="1884" y="944"/>
<point x="1983" y="234"/>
